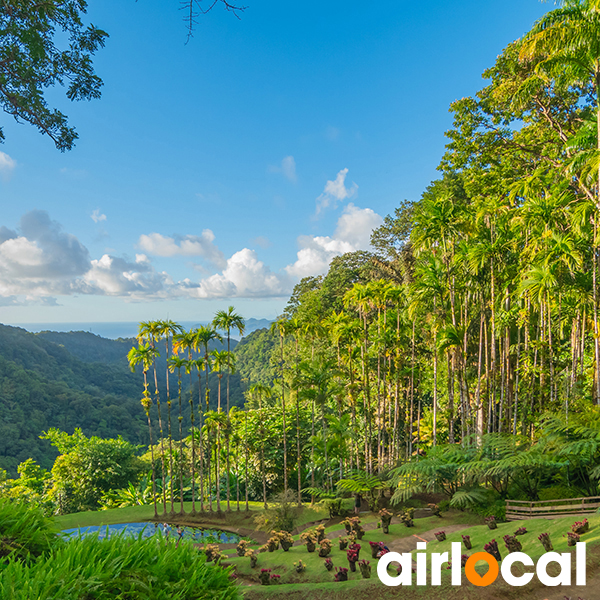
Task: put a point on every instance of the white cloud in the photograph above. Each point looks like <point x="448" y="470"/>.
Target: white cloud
<point x="7" y="165"/>
<point x="97" y="217"/>
<point x="116" y="276"/>
<point x="353" y="232"/>
<point x="335" y="191"/>
<point x="42" y="251"/>
<point x="244" y="277"/>
<point x="187" y="245"/>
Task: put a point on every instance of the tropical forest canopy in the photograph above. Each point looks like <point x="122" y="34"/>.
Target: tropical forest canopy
<point x="462" y="355"/>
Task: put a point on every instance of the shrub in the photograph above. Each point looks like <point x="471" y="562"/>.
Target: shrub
<point x="25" y="533"/>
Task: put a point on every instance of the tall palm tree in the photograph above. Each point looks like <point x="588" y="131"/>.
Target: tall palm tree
<point x="167" y="329"/>
<point x="203" y="336"/>
<point x="184" y="342"/>
<point x="564" y="42"/>
<point x="214" y="422"/>
<point x="260" y="391"/>
<point x="145" y="354"/>
<point x="226" y="321"/>
<point x="150" y="331"/>
<point x="178" y="363"/>
<point x="220" y="360"/>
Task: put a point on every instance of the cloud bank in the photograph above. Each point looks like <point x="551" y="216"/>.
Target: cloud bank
<point x="39" y="261"/>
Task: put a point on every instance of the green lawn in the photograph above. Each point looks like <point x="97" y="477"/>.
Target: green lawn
<point x="136" y="514"/>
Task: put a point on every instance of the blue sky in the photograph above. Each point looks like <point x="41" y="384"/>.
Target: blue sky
<point x="221" y="171"/>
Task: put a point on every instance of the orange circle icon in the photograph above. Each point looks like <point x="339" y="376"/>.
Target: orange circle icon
<point x="474" y="577"/>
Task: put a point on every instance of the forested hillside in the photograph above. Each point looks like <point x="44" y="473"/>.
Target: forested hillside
<point x="76" y="379"/>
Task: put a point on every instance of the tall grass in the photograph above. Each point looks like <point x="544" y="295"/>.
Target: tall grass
<point x="118" y="568"/>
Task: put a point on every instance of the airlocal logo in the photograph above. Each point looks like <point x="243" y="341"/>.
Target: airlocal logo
<point x="438" y="559"/>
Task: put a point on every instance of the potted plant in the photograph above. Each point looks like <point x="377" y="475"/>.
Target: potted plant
<point x="365" y="569"/>
<point x="546" y="542"/>
<point x="436" y="511"/>
<point x="467" y="541"/>
<point x="491" y="522"/>
<point x="512" y="543"/>
<point x="343" y="541"/>
<point x="309" y="540"/>
<point x="352" y="556"/>
<point x="342" y="574"/>
<point x="347" y="524"/>
<point x="492" y="548"/>
<point x="572" y="538"/>
<point x="300" y="567"/>
<point x="272" y="544"/>
<point x="521" y="531"/>
<point x="328" y="564"/>
<point x="265" y="576"/>
<point x="580" y="526"/>
<point x="253" y="558"/>
<point x="440" y="536"/>
<point x="320" y="533"/>
<point x="407" y="517"/>
<point x="274" y="579"/>
<point x="324" y="548"/>
<point x="212" y="552"/>
<point x="286" y="540"/>
<point x="242" y="548"/>
<point x="386" y="519"/>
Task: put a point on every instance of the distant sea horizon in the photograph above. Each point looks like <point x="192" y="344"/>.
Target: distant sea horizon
<point x="110" y="330"/>
<point x="114" y="330"/>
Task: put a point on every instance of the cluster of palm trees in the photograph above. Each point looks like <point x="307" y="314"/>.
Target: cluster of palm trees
<point x="480" y="313"/>
<point x="188" y="351"/>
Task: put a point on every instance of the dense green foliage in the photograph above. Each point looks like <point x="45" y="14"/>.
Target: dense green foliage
<point x="253" y="356"/>
<point x="25" y="533"/>
<point x="92" y="568"/>
<point x="70" y="380"/>
<point x="31" y="61"/>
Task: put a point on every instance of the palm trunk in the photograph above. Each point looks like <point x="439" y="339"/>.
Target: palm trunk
<point x="170" y="434"/>
<point x="162" y="447"/>
<point x="181" y="510"/>
<point x="193" y="419"/>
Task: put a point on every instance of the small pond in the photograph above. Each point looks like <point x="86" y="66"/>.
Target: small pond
<point x="211" y="536"/>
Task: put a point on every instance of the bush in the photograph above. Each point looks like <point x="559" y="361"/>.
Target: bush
<point x="25" y="532"/>
<point x="118" y="568"/>
<point x="560" y="492"/>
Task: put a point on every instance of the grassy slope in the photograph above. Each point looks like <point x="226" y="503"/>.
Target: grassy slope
<point x="317" y="583"/>
<point x="282" y="562"/>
